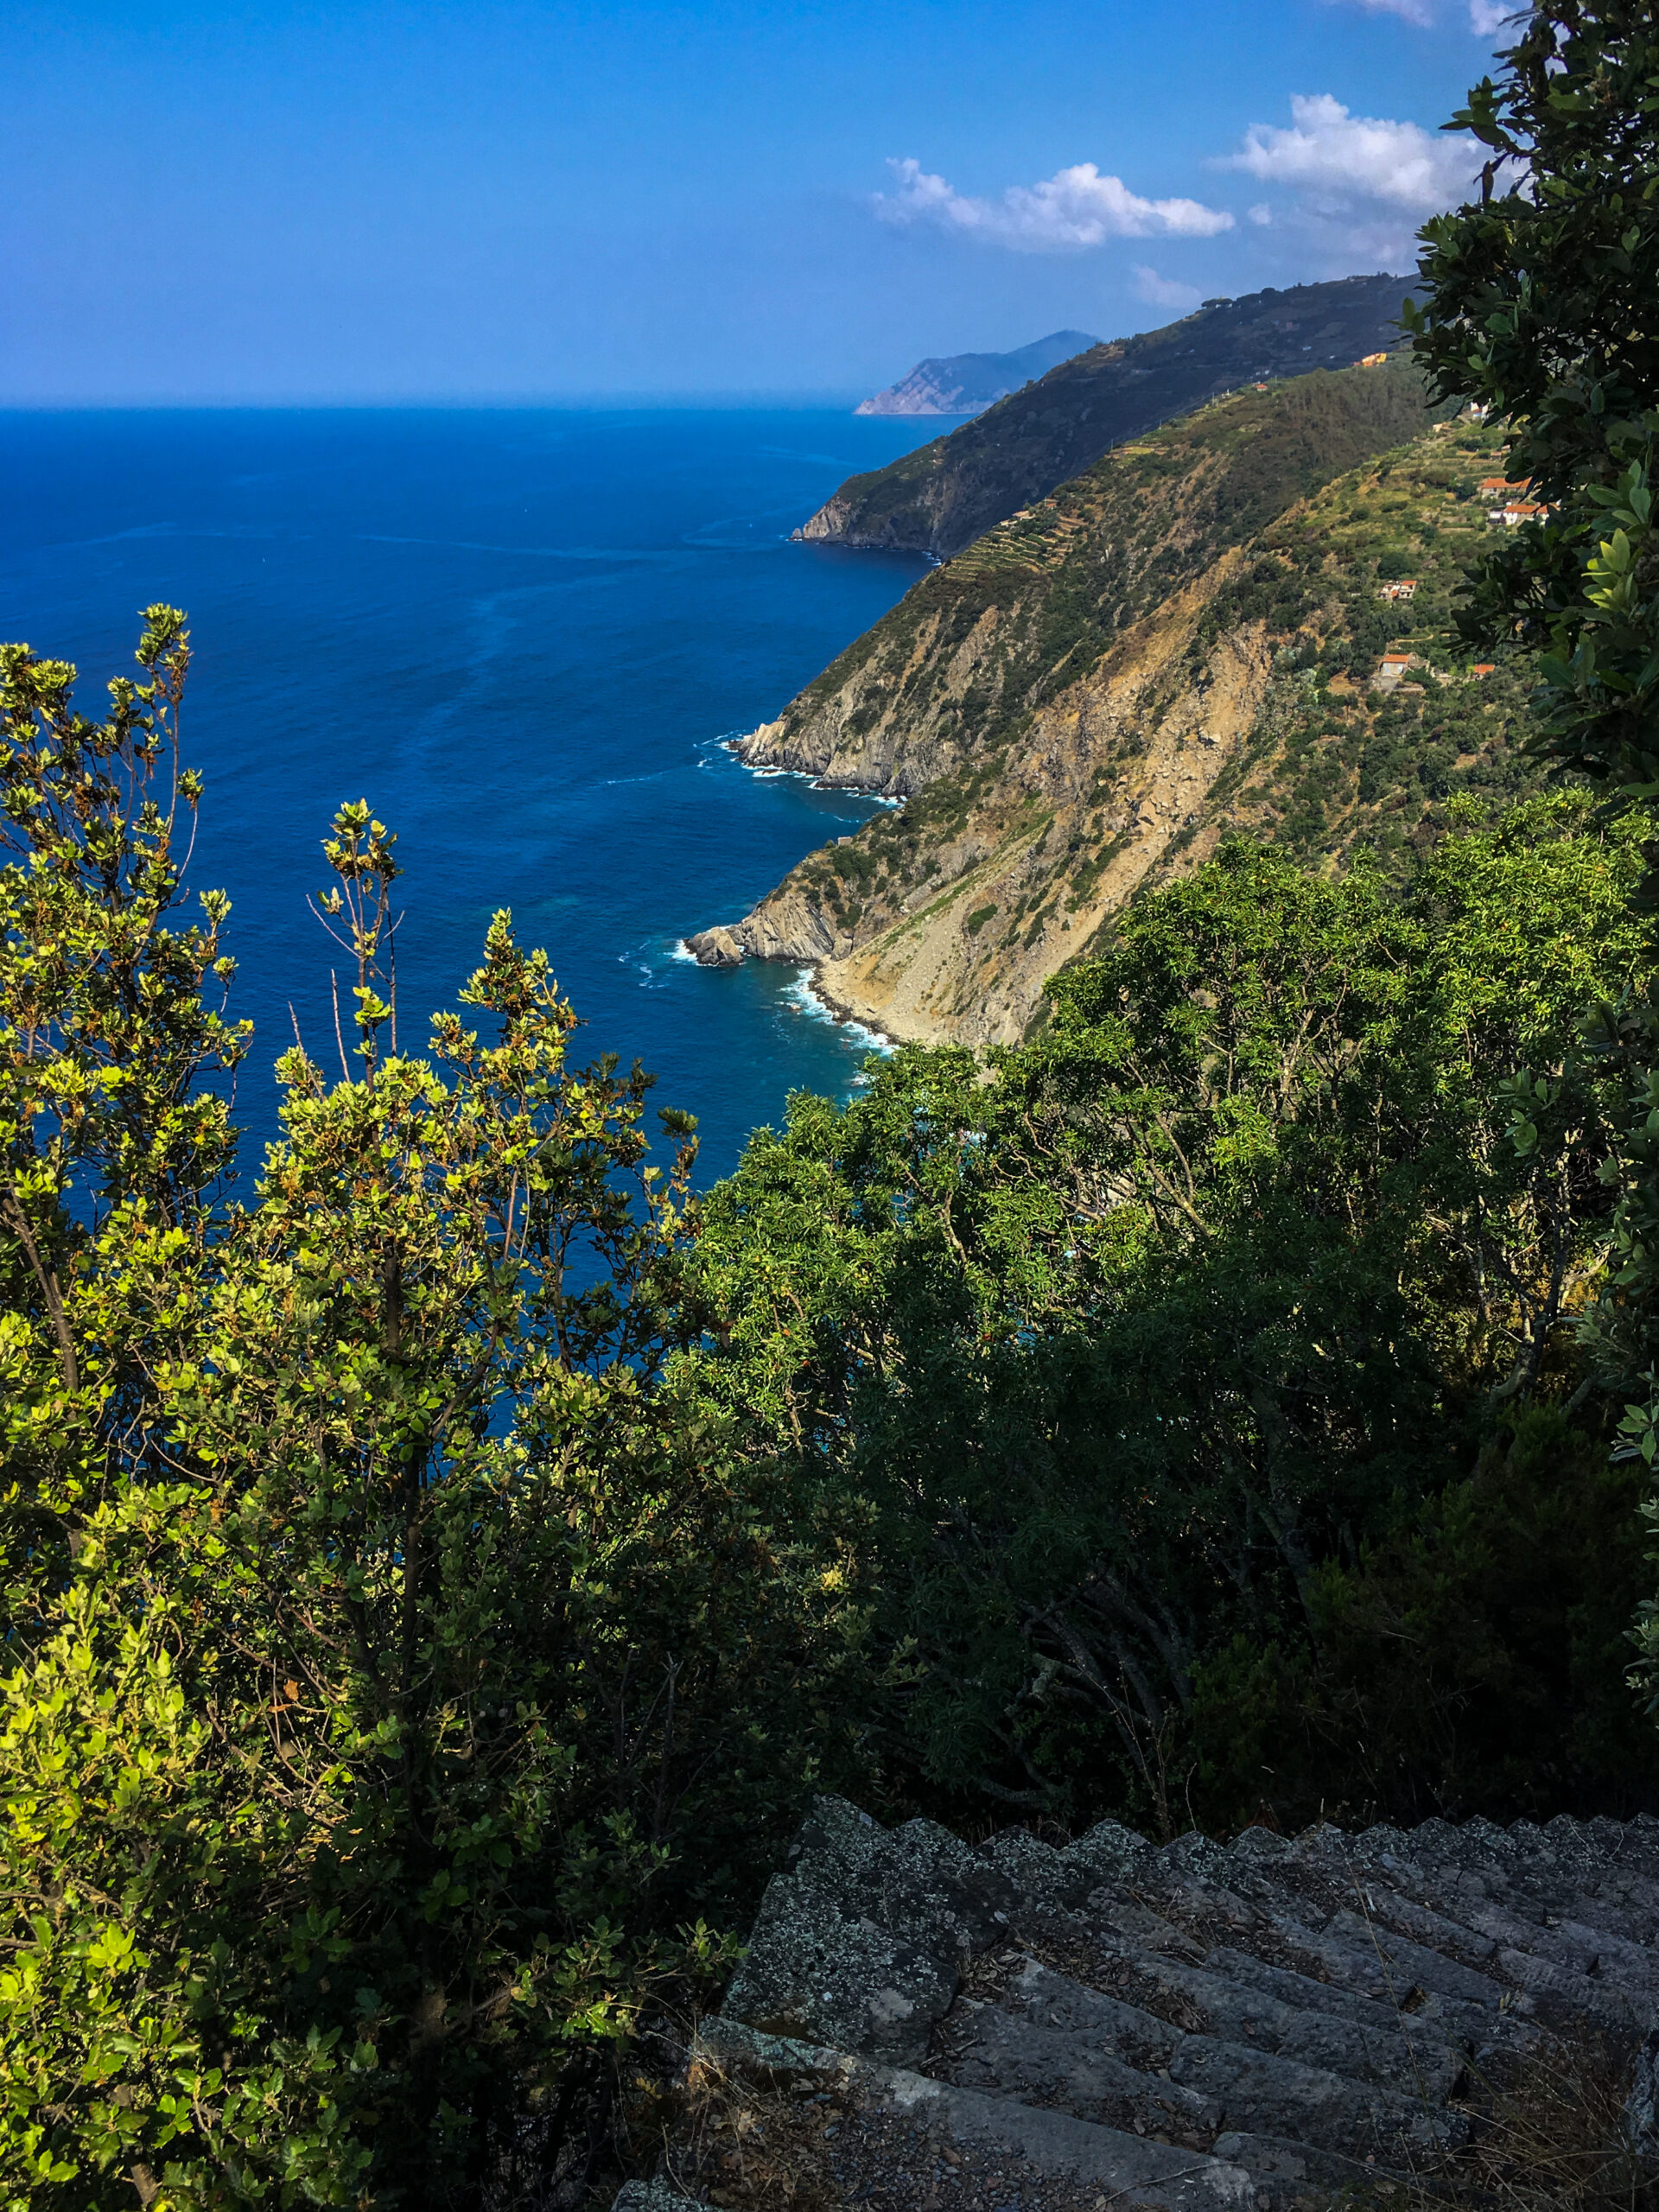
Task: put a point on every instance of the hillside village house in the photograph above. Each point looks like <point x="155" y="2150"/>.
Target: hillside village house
<point x="1405" y="588"/>
<point x="1393" y="669"/>
<point x="1515" y="507"/>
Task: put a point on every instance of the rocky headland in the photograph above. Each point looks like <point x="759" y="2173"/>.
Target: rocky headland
<point x="1178" y="643"/>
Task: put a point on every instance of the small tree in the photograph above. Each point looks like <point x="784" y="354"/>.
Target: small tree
<point x="385" y="1627"/>
<point x="113" y="1137"/>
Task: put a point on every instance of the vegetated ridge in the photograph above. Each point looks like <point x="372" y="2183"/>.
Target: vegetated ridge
<point x="964" y="384"/>
<point x="1186" y="640"/>
<point x="941" y="497"/>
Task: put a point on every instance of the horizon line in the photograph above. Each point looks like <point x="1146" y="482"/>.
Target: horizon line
<point x="682" y="397"/>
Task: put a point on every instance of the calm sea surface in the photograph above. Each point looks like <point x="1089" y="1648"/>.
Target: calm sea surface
<point x="521" y="635"/>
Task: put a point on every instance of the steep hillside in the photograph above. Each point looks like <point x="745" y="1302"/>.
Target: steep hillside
<point x="963" y="384"/>
<point x="940" y="498"/>
<point x="1189" y="637"/>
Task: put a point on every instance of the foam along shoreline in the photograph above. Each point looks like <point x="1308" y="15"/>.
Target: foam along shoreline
<point x="767" y="771"/>
<point x="809" y="993"/>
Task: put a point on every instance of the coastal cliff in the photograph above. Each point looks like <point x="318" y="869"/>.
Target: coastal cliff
<point x="1183" y="642"/>
<point x="942" y="497"/>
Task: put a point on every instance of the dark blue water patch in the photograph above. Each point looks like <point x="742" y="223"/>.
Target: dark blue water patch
<point x="520" y="634"/>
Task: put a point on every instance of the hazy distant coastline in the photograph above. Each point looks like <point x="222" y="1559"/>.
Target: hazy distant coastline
<point x="966" y="384"/>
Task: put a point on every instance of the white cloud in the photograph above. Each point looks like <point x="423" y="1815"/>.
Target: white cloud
<point x="1261" y="212"/>
<point x="1075" y="208"/>
<point x="1340" y="157"/>
<point x="1486" y="17"/>
<point x="1165" y="291"/>
<point x="1414" y="11"/>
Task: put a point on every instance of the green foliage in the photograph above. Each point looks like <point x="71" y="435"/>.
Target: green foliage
<point x="1200" y="1293"/>
<point x="1533" y="308"/>
<point x="113" y="1143"/>
<point x="377" y="1627"/>
<point x="1474" y="1659"/>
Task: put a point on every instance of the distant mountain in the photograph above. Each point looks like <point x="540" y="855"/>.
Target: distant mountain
<point x="940" y="498"/>
<point x="963" y="384"/>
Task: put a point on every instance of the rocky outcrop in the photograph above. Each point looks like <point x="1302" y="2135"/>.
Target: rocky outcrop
<point x="1189" y="2027"/>
<point x="963" y="952"/>
<point x="717" y="947"/>
<point x="1095" y="694"/>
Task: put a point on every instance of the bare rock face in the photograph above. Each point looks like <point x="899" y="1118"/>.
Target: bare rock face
<point x="1083" y="704"/>
<point x="919" y="961"/>
<point x="1193" y="2028"/>
<point x="717" y="948"/>
<point x="874" y="1981"/>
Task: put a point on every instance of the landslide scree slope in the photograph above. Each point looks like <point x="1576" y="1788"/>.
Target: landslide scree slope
<point x="941" y="497"/>
<point x="1183" y="641"/>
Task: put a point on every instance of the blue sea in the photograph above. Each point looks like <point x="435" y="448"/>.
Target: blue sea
<point x="521" y="634"/>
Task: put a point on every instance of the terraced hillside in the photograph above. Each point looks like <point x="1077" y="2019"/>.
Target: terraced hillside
<point x="940" y="498"/>
<point x="1185" y="639"/>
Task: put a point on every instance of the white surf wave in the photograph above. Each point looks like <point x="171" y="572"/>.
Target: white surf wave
<point x="804" y="995"/>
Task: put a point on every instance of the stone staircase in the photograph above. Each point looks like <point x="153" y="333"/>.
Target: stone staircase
<point x="1026" y="2029"/>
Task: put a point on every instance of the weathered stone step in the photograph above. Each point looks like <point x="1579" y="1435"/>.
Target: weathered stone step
<point x="1235" y="1999"/>
<point x="1441" y="2032"/>
<point x="910" y="2127"/>
<point x="1263" y="1884"/>
<point x="1049" y="2039"/>
<point x="1598" y="1974"/>
<point x="1393" y="1949"/>
<point x="1022" y="2145"/>
<point x="1190" y="2028"/>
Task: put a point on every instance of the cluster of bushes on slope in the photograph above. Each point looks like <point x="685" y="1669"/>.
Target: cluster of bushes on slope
<point x="434" y="1585"/>
<point x="431" y="1586"/>
<point x="1181" y="1354"/>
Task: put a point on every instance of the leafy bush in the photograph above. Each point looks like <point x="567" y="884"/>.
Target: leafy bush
<point x="1212" y="1288"/>
<point x="378" y="1628"/>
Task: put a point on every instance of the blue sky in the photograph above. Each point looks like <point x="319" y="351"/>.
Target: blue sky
<point x="359" y="202"/>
